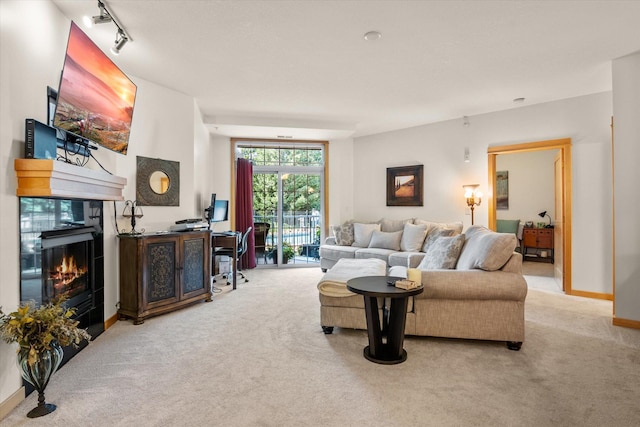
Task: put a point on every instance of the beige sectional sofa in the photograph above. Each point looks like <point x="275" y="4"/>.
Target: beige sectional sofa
<point x="481" y="297"/>
<point x="392" y="241"/>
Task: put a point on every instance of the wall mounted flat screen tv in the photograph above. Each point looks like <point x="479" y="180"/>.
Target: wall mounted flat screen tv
<point x="95" y="98"/>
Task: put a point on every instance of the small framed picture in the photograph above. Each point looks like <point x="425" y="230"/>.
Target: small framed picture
<point x="405" y="186"/>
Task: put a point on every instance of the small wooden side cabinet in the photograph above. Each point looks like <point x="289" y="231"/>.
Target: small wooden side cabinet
<point x="537" y="242"/>
<point x="163" y="272"/>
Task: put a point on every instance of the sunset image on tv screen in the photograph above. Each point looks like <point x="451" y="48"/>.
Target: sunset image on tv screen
<point x="95" y="98"/>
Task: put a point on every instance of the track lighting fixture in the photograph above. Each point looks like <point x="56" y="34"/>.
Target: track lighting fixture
<point x="103" y="18"/>
<point x="121" y="40"/>
<point x="122" y="37"/>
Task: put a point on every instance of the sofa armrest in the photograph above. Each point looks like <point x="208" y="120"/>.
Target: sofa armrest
<point x="330" y="240"/>
<point x="514" y="265"/>
<point x="473" y="285"/>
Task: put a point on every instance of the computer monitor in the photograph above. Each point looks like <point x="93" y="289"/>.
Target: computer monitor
<point x="220" y="211"/>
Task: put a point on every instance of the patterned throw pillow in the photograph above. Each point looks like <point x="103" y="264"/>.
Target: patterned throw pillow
<point x="443" y="253"/>
<point x="434" y="234"/>
<point x="344" y="234"/>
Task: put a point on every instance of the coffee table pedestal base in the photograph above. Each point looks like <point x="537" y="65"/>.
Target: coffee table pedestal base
<point x="384" y="359"/>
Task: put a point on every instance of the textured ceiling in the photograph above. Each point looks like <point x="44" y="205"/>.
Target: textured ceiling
<point x="303" y="68"/>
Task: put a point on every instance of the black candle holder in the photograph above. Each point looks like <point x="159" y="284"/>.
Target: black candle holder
<point x="136" y="212"/>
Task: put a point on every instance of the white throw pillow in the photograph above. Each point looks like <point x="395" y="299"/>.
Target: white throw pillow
<point x="382" y="240"/>
<point x="362" y="234"/>
<point x="413" y="237"/>
<point x="434" y="233"/>
<point x="443" y="253"/>
<point x="486" y="249"/>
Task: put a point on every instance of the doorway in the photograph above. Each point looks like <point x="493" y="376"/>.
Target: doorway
<point x="562" y="168"/>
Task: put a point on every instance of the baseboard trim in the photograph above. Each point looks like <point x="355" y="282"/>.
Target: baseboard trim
<point x="627" y="323"/>
<point x="12" y="401"/>
<point x="594" y="295"/>
<point x="110" y="321"/>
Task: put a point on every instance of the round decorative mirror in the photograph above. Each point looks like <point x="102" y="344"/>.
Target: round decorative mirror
<point x="159" y="182"/>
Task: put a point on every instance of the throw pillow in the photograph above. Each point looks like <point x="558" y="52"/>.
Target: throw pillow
<point x="362" y="234"/>
<point x="443" y="253"/>
<point x="343" y="233"/>
<point x="486" y="249"/>
<point x="413" y="237"/>
<point x="434" y="234"/>
<point x="389" y="225"/>
<point x="382" y="240"/>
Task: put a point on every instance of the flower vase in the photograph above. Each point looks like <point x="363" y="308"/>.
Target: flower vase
<point x="39" y="374"/>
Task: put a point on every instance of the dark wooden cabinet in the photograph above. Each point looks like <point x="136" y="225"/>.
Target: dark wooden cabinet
<point x="163" y="272"/>
<point x="537" y="242"/>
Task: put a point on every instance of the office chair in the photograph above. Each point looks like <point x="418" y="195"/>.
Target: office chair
<point x="242" y="249"/>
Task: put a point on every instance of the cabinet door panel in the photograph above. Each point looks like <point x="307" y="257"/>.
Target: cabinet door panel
<point x="194" y="265"/>
<point x="530" y="237"/>
<point x="161" y="286"/>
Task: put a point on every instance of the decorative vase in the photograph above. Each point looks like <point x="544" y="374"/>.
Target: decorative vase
<point x="39" y="374"/>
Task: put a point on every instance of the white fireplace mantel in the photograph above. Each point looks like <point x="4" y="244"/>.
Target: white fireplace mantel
<point x="51" y="178"/>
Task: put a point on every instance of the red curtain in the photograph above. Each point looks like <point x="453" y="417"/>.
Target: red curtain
<point x="244" y="208"/>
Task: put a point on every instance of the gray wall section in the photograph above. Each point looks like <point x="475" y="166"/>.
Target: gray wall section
<point x="626" y="113"/>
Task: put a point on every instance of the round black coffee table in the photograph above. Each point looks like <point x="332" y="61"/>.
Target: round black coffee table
<point x="394" y="317"/>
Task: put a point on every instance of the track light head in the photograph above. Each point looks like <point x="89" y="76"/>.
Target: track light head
<point x="121" y="40"/>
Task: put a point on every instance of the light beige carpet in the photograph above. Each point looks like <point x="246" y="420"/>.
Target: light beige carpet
<point x="257" y="357"/>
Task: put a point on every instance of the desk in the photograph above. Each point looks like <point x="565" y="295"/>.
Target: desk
<point x="226" y="244"/>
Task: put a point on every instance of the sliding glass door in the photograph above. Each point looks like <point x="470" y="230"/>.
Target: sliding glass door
<point x="288" y="200"/>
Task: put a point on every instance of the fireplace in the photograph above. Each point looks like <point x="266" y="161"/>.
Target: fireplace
<point x="62" y="251"/>
<point x="67" y="266"/>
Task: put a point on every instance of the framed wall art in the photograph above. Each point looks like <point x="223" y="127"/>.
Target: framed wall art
<point x="405" y="186"/>
<point x="502" y="190"/>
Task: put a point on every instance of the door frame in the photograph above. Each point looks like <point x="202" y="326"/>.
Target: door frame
<point x="235" y="142"/>
<point x="564" y="145"/>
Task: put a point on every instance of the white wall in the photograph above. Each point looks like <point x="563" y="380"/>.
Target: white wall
<point x="32" y="46"/>
<point x="531" y="185"/>
<point x="166" y="125"/>
<point x="440" y="147"/>
<point x="626" y="108"/>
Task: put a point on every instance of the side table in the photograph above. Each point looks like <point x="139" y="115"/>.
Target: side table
<point x="371" y="287"/>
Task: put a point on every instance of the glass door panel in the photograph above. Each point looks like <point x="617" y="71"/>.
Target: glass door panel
<point x="301" y="201"/>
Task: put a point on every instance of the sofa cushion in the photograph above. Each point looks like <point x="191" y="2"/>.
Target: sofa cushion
<point x="390" y="225"/>
<point x="486" y="249"/>
<point x="366" y="253"/>
<point x="402" y="258"/>
<point x="413" y="237"/>
<point x="456" y="225"/>
<point x="362" y="234"/>
<point x="443" y="253"/>
<point x="343" y="233"/>
<point x="336" y="252"/>
<point x="434" y="234"/>
<point x="380" y="239"/>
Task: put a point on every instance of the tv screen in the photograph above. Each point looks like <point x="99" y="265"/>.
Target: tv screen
<point x="220" y="211"/>
<point x="95" y="98"/>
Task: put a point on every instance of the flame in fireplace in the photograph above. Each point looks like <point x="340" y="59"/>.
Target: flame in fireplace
<point x="67" y="272"/>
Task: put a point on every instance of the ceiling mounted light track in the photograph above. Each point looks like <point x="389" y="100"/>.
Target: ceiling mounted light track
<point x="122" y="37"/>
